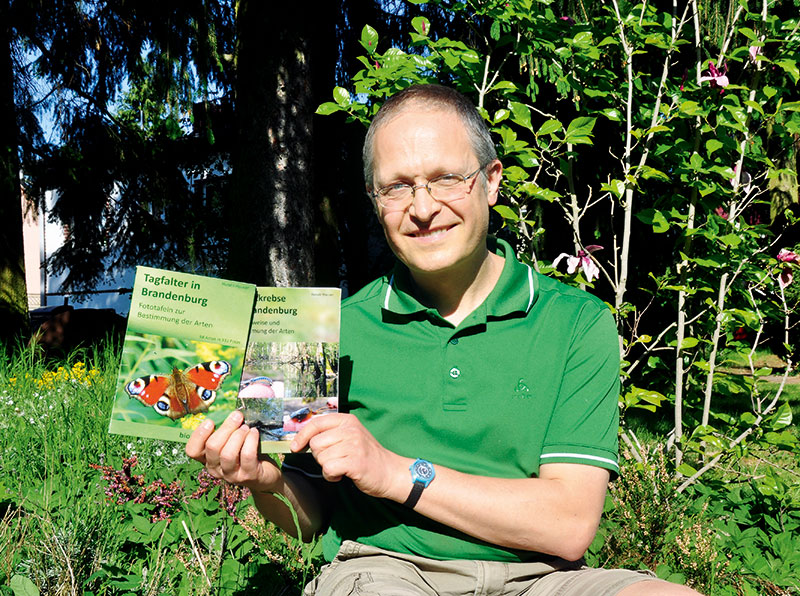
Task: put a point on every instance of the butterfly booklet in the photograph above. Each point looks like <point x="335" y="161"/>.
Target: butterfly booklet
<point x="183" y="355"/>
<point x="291" y="367"/>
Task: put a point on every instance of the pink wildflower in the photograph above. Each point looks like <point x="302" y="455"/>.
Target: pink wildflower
<point x="569" y="20"/>
<point x="583" y="260"/>
<point x="755" y="51"/>
<point x="717" y="76"/>
<point x="788" y="258"/>
<point x="721" y="212"/>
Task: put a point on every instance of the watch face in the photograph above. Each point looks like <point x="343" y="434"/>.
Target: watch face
<point x="423" y="471"/>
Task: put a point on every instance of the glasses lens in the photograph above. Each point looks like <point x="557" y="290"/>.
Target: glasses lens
<point x="447" y="187"/>
<point x="396" y="193"/>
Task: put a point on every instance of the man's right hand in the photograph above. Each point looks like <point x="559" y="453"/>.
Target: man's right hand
<point x="231" y="454"/>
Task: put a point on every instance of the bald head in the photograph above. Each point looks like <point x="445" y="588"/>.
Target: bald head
<point x="430" y="97"/>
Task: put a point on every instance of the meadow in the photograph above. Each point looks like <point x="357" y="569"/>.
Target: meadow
<point x="86" y="512"/>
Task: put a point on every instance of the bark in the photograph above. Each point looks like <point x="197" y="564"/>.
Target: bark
<point x="13" y="293"/>
<point x="272" y="207"/>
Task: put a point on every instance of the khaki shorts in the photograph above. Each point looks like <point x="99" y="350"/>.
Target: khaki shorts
<point x="361" y="569"/>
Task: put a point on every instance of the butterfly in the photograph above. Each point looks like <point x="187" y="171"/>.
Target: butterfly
<point x="181" y="392"/>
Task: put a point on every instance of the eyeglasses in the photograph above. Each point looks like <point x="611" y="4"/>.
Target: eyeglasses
<point x="444" y="188"/>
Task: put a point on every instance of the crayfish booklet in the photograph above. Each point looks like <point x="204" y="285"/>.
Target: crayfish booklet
<point x="291" y="368"/>
<point x="187" y="357"/>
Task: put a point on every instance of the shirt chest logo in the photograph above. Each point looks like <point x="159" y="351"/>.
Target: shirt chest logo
<point x="522" y="389"/>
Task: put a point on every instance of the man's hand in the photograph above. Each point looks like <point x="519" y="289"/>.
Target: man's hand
<point x="343" y="447"/>
<point x="231" y="453"/>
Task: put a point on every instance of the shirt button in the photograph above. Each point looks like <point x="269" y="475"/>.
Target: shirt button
<point x="455" y="373"/>
<point x="454" y="341"/>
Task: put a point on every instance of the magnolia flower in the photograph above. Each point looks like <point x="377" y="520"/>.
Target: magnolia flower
<point x="754" y="52"/>
<point x="716" y="75"/>
<point x="745" y="180"/>
<point x="583" y="260"/>
<point x="789" y="258"/>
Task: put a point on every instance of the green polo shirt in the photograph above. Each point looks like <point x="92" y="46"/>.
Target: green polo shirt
<point x="530" y="377"/>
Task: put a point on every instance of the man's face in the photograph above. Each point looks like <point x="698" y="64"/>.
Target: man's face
<point x="430" y="237"/>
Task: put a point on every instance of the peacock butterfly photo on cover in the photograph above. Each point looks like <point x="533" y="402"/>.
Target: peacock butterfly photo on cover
<point x="176" y="382"/>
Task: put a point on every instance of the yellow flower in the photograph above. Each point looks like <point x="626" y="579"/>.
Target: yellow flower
<point x="192" y="421"/>
<point x="206" y="351"/>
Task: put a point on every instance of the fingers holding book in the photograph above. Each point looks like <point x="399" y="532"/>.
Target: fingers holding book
<point x="231" y="453"/>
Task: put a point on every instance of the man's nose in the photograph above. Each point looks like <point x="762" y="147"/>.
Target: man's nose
<point x="423" y="204"/>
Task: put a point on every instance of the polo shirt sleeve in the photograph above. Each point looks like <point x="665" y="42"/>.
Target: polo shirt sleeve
<point x="585" y="421"/>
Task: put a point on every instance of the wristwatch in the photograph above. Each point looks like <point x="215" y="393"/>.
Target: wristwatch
<point x="422" y="474"/>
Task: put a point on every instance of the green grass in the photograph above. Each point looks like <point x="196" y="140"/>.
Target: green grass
<point x="62" y="534"/>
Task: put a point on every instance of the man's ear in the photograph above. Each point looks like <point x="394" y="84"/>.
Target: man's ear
<point x="494" y="175"/>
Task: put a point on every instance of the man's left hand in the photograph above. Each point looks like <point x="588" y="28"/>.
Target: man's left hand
<point x="343" y="447"/>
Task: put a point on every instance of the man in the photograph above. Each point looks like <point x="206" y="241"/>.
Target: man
<point x="482" y="396"/>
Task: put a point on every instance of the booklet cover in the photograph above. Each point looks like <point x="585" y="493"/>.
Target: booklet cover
<point x="291" y="368"/>
<point x="183" y="353"/>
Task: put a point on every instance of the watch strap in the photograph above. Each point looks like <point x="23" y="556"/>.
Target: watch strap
<point x="416" y="492"/>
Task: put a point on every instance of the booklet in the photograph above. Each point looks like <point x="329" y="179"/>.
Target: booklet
<point x="291" y="368"/>
<point x="183" y="353"/>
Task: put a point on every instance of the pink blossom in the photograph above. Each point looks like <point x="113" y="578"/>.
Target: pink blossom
<point x="789" y="258"/>
<point x="717" y="76"/>
<point x="583" y="260"/>
<point x="569" y="20"/>
<point x="754" y="52"/>
<point x="721" y="212"/>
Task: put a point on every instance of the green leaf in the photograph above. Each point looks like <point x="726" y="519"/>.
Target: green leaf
<point x="581" y="126"/>
<point x="690" y="107"/>
<point x="503" y="85"/>
<point x="612" y="114"/>
<point x="421" y="25"/>
<point x="521" y="114"/>
<point x="686" y="470"/>
<point x="748" y="33"/>
<point x="757" y="107"/>
<point x="583" y="38"/>
<point x="712" y="145"/>
<point x="790" y="66"/>
<point x="328" y="108"/>
<point x="341" y="96"/>
<point x="501" y="115"/>
<point x="647" y="173"/>
<point x="506" y="212"/>
<point x="791" y="106"/>
<point x="23" y="586"/>
<point x="730" y="240"/>
<point x="369" y="39"/>
<point x="494" y="31"/>
<point x="549" y="127"/>
<point x="655" y="218"/>
<point x="689" y="342"/>
<point x="617" y="187"/>
<point x="782" y="417"/>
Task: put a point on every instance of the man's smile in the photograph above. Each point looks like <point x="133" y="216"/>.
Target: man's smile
<point x="431" y="233"/>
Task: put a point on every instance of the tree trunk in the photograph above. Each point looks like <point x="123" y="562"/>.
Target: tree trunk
<point x="13" y="293"/>
<point x="272" y="205"/>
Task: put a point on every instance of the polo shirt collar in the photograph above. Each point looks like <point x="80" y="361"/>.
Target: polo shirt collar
<point x="515" y="291"/>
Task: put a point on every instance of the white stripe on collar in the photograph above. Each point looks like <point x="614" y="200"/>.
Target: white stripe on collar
<point x="530" y="287"/>
<point x="388" y="293"/>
